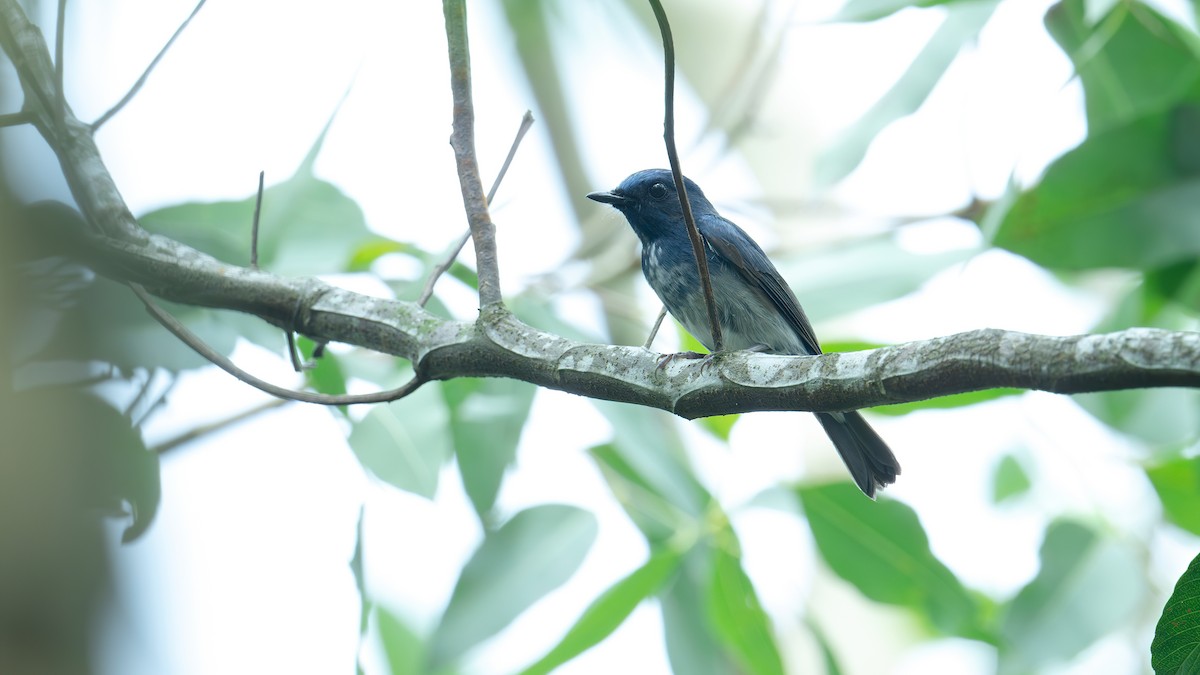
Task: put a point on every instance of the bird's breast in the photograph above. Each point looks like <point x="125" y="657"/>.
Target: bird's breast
<point x="748" y="318"/>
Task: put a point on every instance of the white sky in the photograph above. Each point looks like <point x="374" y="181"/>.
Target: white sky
<point x="244" y="570"/>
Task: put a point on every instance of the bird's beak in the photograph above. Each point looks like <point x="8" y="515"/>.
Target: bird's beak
<point x="607" y="198"/>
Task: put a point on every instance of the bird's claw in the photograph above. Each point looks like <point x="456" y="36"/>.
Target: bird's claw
<point x="705" y="359"/>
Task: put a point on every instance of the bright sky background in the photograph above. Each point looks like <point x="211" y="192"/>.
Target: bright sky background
<point x="245" y="569"/>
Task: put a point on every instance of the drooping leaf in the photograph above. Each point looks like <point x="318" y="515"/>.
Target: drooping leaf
<point x="649" y="444"/>
<point x="610" y="610"/>
<point x="486" y="418"/>
<point x="402" y="647"/>
<point x="962" y="23"/>
<point x="405" y="443"/>
<point x="1088" y="585"/>
<point x="1176" y="644"/>
<point x="881" y="548"/>
<point x="693" y="646"/>
<point x="738" y="616"/>
<point x="524" y="559"/>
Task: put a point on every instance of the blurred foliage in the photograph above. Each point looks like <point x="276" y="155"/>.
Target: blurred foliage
<point x="1123" y="198"/>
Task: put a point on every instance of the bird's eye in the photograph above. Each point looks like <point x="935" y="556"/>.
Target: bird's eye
<point x="658" y="191"/>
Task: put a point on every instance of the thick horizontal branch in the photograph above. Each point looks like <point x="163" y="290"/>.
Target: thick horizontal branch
<point x="499" y="345"/>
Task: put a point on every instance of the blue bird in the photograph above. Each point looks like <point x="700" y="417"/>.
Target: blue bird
<point x="756" y="307"/>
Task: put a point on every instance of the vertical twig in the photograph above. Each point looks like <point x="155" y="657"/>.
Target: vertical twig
<point x="462" y="140"/>
<point x="673" y="156"/>
<point x="60" y="108"/>
<point x="254" y="224"/>
<point x="662" y="314"/>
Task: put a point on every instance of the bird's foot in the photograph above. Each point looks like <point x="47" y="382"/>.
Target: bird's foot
<point x="667" y="358"/>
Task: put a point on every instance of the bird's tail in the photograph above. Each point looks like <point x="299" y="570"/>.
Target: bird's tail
<point x="868" y="458"/>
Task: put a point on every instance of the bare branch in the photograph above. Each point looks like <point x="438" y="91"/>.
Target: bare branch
<point x="91" y="184"/>
<point x="462" y="140"/>
<point x="221" y="361"/>
<point x="498" y="345"/>
<point x="427" y="292"/>
<point x="698" y="252"/>
<point x="137" y="86"/>
<point x="662" y="314"/>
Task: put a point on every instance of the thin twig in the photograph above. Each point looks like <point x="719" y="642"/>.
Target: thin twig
<point x="662" y="314"/>
<point x="17" y="118"/>
<point x="293" y="352"/>
<point x="427" y="292"/>
<point x="202" y="430"/>
<point x="254" y="225"/>
<point x="60" y="109"/>
<point x="146" y="73"/>
<point x="673" y="156"/>
<point x="158" y="401"/>
<point x="221" y="361"/>
<point x="143" y="391"/>
<point x="462" y="140"/>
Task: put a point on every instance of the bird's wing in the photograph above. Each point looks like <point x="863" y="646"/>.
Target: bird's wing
<point x="722" y="237"/>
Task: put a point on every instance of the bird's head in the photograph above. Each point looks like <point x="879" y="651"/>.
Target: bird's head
<point x="651" y="205"/>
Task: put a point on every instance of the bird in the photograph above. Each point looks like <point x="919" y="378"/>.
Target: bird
<point x="756" y="307"/>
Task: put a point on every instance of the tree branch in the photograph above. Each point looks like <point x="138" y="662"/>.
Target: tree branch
<point x="463" y="141"/>
<point x="86" y="175"/>
<point x="498" y="345"/>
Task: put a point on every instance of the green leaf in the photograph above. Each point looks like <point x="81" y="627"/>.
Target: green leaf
<point x="649" y="445"/>
<point x="719" y="425"/>
<point x="946" y="402"/>
<point x="872" y="10"/>
<point x="1177" y="482"/>
<point x="863" y="273"/>
<point x="405" y="443"/>
<point x="71" y="442"/>
<point x="738" y="616"/>
<point x="651" y="511"/>
<point x="1120" y="199"/>
<point x="610" y="610"/>
<point x="1160" y="417"/>
<point x="963" y="22"/>
<point x="307" y="226"/>
<point x="692" y="646"/>
<point x="486" y="418"/>
<point x="1134" y="62"/>
<point x="325" y="375"/>
<point x="120" y="331"/>
<point x="828" y="658"/>
<point x="1009" y="480"/>
<point x="881" y="548"/>
<point x="530" y="555"/>
<point x="360" y="580"/>
<point x="1088" y="585"/>
<point x="402" y="647"/>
